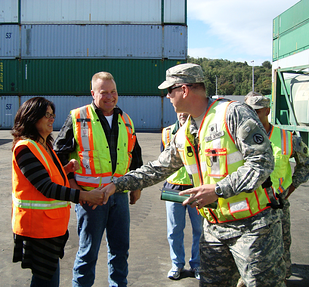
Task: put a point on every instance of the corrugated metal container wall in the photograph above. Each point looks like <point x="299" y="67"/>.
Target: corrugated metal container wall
<point x="9" y="11"/>
<point x="175" y="11"/>
<point x="175" y="42"/>
<point x="101" y="12"/>
<point x="291" y="42"/>
<point x="58" y="77"/>
<point x="10" y="41"/>
<point x="8" y="108"/>
<point x="134" y="41"/>
<point x="149" y="113"/>
<point x="114" y="41"/>
<point x="292" y="17"/>
<point x="63" y="41"/>
<point x="9" y="76"/>
<point x="169" y="114"/>
<point x="291" y="31"/>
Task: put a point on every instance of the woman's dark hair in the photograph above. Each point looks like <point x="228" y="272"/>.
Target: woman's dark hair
<point x="29" y="113"/>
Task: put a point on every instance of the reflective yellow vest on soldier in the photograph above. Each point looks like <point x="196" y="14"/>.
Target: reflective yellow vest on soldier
<point x="181" y="176"/>
<point x="281" y="142"/>
<point x="92" y="150"/>
<point x="33" y="214"/>
<point x="216" y="156"/>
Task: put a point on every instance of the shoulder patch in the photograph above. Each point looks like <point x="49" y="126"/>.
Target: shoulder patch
<point x="258" y="138"/>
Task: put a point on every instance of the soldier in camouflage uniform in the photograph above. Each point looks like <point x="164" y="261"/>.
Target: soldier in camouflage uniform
<point x="295" y="148"/>
<point x="228" y="156"/>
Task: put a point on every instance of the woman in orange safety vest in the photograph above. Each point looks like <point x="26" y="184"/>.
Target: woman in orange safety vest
<point x="41" y="193"/>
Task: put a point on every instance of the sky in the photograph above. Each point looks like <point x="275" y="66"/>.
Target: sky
<point x="235" y="30"/>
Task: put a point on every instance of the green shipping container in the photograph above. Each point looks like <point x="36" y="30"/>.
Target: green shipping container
<point x="290" y="19"/>
<point x="73" y="76"/>
<point x="291" y="31"/>
<point x="291" y="42"/>
<point x="9" y="73"/>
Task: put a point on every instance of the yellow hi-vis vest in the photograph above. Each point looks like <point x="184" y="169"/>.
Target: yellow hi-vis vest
<point x="217" y="156"/>
<point x="181" y="176"/>
<point x="33" y="214"/>
<point x="92" y="150"/>
<point x="281" y="177"/>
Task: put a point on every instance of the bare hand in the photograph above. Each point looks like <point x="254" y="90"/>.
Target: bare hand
<point x="108" y="191"/>
<point x="200" y="196"/>
<point x="135" y="196"/>
<point x="71" y="166"/>
<point x="93" y="197"/>
<point x="291" y="189"/>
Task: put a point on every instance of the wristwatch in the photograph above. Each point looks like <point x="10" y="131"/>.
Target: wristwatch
<point x="218" y="191"/>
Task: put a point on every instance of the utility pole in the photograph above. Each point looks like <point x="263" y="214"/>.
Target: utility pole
<point x="252" y="75"/>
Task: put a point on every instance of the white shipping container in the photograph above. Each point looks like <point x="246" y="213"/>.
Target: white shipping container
<point x="8" y="108"/>
<point x="175" y="11"/>
<point x="102" y="11"/>
<point x="175" y="42"/>
<point x="104" y="41"/>
<point x="134" y="41"/>
<point x="10" y="42"/>
<point x="8" y="11"/>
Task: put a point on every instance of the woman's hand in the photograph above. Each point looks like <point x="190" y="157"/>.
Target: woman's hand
<point x="71" y="166"/>
<point x="93" y="197"/>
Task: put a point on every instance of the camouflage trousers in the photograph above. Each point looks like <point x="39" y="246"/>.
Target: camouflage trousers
<point x="256" y="256"/>
<point x="286" y="233"/>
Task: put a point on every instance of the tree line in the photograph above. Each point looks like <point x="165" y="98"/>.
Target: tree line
<point x="234" y="78"/>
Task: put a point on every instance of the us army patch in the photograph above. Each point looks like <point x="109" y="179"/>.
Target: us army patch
<point x="258" y="138"/>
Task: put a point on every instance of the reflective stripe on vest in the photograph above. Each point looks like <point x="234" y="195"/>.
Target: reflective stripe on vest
<point x="32" y="204"/>
<point x="131" y="133"/>
<point x="217" y="157"/>
<point x="92" y="150"/>
<point x="281" y="141"/>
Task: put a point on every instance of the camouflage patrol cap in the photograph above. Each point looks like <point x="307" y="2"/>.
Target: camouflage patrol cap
<point x="184" y="73"/>
<point x="257" y="101"/>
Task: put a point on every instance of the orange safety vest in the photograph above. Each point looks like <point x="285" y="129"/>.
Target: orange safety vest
<point x="33" y="214"/>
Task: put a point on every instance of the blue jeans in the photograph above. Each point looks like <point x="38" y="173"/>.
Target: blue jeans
<point x="54" y="282"/>
<point x="176" y="222"/>
<point x="115" y="218"/>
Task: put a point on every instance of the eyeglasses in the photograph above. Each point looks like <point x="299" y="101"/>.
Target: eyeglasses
<point x="170" y="89"/>
<point x="49" y="115"/>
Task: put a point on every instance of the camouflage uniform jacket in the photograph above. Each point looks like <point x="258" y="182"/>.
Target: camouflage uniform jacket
<point x="258" y="166"/>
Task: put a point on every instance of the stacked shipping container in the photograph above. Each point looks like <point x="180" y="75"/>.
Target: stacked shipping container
<point x="290" y="96"/>
<point x="52" y="48"/>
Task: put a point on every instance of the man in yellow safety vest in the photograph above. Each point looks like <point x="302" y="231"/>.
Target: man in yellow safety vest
<point x="229" y="159"/>
<point x="285" y="146"/>
<point x="101" y="137"/>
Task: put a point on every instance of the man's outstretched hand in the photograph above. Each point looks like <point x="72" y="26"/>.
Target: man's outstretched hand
<point x="108" y="191"/>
